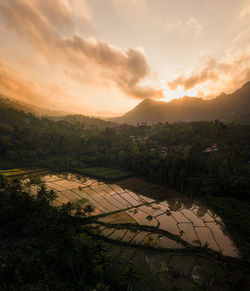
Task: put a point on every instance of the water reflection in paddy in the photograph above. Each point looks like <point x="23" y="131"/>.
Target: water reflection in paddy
<point x="187" y="219"/>
<point x="168" y="223"/>
<point x="188" y="232"/>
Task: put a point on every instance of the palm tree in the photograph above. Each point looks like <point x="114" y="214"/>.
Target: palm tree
<point x="130" y="276"/>
<point x="149" y="217"/>
<point x="42" y="194"/>
<point x="51" y="196"/>
<point x="67" y="208"/>
<point x="88" y="208"/>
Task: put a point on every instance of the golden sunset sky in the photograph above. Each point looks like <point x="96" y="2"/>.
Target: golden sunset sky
<point x="102" y="57"/>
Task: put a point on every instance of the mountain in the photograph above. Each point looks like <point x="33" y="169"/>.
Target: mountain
<point x="54" y="115"/>
<point x="225" y="107"/>
<point x="86" y="120"/>
<point x="22" y="106"/>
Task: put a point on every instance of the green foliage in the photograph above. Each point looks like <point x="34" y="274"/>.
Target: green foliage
<point x="83" y="121"/>
<point x="59" y="162"/>
<point x="104" y="173"/>
<point x="167" y="154"/>
<point x="40" y="247"/>
<point x="88" y="208"/>
<point x="149" y="217"/>
<point x="46" y="196"/>
<point x="130" y="276"/>
<point x="235" y="215"/>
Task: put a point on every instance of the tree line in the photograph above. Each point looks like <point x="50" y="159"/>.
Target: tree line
<point x="185" y="165"/>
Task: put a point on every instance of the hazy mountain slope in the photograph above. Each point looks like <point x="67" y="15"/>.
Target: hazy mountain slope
<point x="22" y="106"/>
<point x="86" y="120"/>
<point x="53" y="114"/>
<point x="226" y="107"/>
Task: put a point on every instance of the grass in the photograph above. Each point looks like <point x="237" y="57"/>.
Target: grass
<point x="7" y="164"/>
<point x="109" y="174"/>
<point x="17" y="172"/>
<point x="10" y="170"/>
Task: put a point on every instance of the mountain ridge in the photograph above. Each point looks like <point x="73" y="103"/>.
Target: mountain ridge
<point x="27" y="107"/>
<point x="54" y="115"/>
<point x="226" y="107"/>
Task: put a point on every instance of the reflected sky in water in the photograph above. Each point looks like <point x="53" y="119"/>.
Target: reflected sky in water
<point x="190" y="220"/>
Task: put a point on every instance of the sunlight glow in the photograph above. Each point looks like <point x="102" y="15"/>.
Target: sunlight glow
<point x="178" y="93"/>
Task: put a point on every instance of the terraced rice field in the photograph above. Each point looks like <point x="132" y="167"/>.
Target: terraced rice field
<point x="120" y="214"/>
<point x="20" y="172"/>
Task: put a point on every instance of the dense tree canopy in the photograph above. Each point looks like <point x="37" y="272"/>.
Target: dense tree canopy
<point x="199" y="158"/>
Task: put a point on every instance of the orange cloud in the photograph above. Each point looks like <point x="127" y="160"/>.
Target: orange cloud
<point x="14" y="84"/>
<point x="43" y="24"/>
<point x="230" y="73"/>
<point x="125" y="69"/>
<point x="12" y="81"/>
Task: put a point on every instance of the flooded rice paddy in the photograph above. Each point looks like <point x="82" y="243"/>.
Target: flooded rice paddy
<point x="120" y="214"/>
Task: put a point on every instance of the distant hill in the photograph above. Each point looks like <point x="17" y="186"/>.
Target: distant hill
<point x="22" y="106"/>
<point x="225" y="107"/>
<point x="82" y="119"/>
<point x="54" y="114"/>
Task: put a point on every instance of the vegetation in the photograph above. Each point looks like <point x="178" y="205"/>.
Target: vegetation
<point x="88" y="122"/>
<point x="104" y="173"/>
<point x="41" y="247"/>
<point x="235" y="215"/>
<point x="201" y="159"/>
<point x="196" y="158"/>
<point x="18" y="172"/>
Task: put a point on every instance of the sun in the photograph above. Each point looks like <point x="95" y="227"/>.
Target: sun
<point x="178" y="93"/>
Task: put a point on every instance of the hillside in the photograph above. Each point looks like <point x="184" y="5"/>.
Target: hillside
<point x="83" y="119"/>
<point x="54" y="115"/>
<point x="25" y="107"/>
<point x="225" y="107"/>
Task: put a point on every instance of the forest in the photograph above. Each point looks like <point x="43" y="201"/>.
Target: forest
<point x="196" y="158"/>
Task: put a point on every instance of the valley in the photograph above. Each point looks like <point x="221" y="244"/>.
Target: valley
<point x="151" y="236"/>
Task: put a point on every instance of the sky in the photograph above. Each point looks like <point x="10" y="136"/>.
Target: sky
<point x="103" y="57"/>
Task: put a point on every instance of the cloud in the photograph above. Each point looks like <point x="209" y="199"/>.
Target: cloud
<point x="46" y="26"/>
<point x="132" y="3"/>
<point x="208" y="73"/>
<point x="60" y="16"/>
<point x="245" y="12"/>
<point x="125" y="68"/>
<point x="193" y="24"/>
<point x="12" y="82"/>
<point x="190" y="25"/>
<point x="243" y="36"/>
<point x="230" y="73"/>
